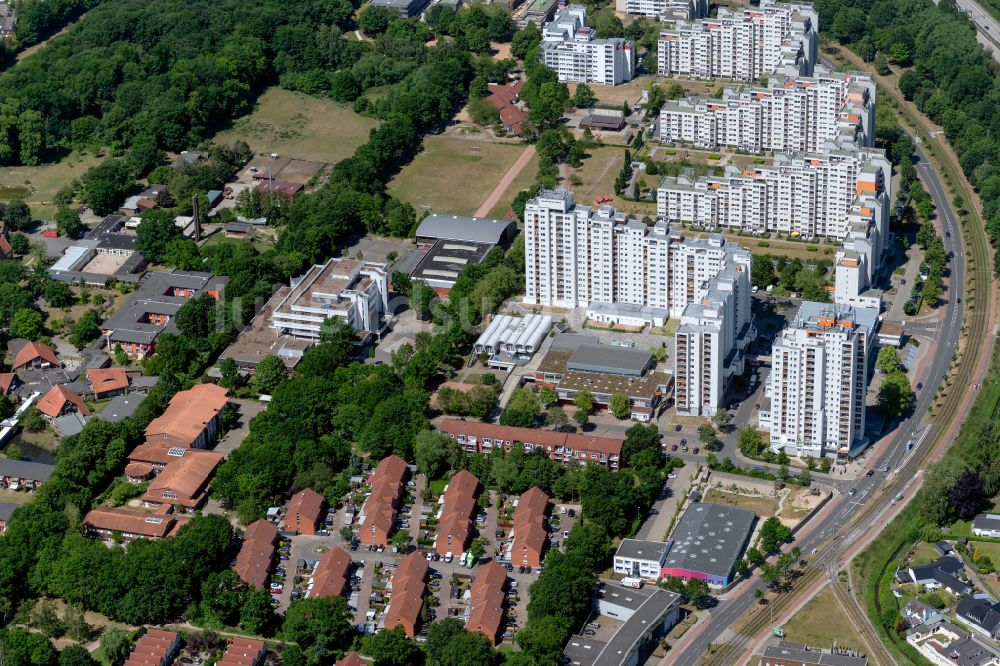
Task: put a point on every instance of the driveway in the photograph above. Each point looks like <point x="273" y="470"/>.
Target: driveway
<point x="247" y="410"/>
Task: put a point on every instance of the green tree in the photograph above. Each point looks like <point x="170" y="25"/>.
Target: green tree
<point x="888" y="359"/>
<point x="584" y="97"/>
<point x="308" y="621"/>
<point x="391" y="647"/>
<point x="183" y="254"/>
<point x="58" y="294"/>
<point x="430" y="451"/>
<point x="85" y="330"/>
<point x="155" y="233"/>
<point x="115" y="646"/>
<point x="548" y="396"/>
<point x="76" y="655"/>
<point x="620" y="406"/>
<point x="581" y="416"/>
<point x="19" y="244"/>
<point x="772" y="534"/>
<point x="750" y="442"/>
<point x="269" y="374"/>
<point x="894" y="394"/>
<point x="697" y="592"/>
<point x="374" y="21"/>
<point x="401" y="283"/>
<point x="939" y="480"/>
<point x="708" y="435"/>
<point x="584" y="401"/>
<point x="76" y="624"/>
<point x="27" y="323"/>
<point x="68" y="222"/>
<point x="522" y="409"/>
<point x="544" y="638"/>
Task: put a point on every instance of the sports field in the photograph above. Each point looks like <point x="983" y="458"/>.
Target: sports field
<point x="292" y="124"/>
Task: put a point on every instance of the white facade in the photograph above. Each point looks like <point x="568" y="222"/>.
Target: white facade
<point x="640" y="559"/>
<point x="346" y="289"/>
<point x="572" y="50"/>
<point x="801" y="114"/>
<point x="805" y="195"/>
<point x="818" y="381"/>
<point x="742" y="46"/>
<point x="685" y="10"/>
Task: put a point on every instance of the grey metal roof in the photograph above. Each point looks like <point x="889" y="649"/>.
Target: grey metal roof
<point x="636" y="549"/>
<point x="121" y="407"/>
<point x="709" y="538"/>
<point x="460" y="227"/>
<point x="70" y="424"/>
<point x="796" y="652"/>
<point x="986" y="521"/>
<point x="7" y="510"/>
<point x="610" y="360"/>
<point x="570" y="342"/>
<point x="446" y="258"/>
<point x="25" y="469"/>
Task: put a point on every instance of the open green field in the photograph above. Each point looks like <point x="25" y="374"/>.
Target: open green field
<point x="631" y="92"/>
<point x="821" y="622"/>
<point x="524" y="181"/>
<point x="925" y="553"/>
<point x="38" y="185"/>
<point x="790" y="249"/>
<point x="296" y="125"/>
<point x="993" y="551"/>
<point x="455" y="175"/>
<point x="597" y="176"/>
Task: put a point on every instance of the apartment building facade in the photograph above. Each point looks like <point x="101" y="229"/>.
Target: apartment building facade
<point x="670" y="10"/>
<point x="818" y="381"/>
<point x="572" y="50"/>
<point x="805" y="195"/>
<point x="800" y="114"/>
<point x="742" y="46"/>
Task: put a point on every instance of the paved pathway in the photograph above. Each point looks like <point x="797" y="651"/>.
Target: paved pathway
<point x="513" y="172"/>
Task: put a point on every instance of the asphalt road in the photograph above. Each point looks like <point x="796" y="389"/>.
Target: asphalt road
<point x="891" y="450"/>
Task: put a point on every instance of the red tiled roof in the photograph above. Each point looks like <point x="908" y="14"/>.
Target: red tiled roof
<point x="103" y="380"/>
<point x="134" y="522"/>
<point x="153" y="648"/>
<point x="486" y="600"/>
<point x="185" y="478"/>
<point x="529" y="535"/>
<point x="253" y="563"/>
<point x="455" y="524"/>
<point x="607" y="445"/>
<point x="502" y="98"/>
<point x="138" y="470"/>
<point x="53" y="403"/>
<point x="352" y="659"/>
<point x="161" y="455"/>
<point x="304" y="512"/>
<point x="188" y="414"/>
<point x="380" y="506"/>
<point x="6" y="381"/>
<point x="31" y="351"/>
<point x="407" y="595"/>
<point x="5" y="247"/>
<point x="243" y="652"/>
<point x="330" y="576"/>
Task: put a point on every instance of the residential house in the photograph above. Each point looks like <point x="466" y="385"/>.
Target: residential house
<point x="304" y="512"/>
<point x="940" y="574"/>
<point x="139" y="472"/>
<point x="253" y="563"/>
<point x="642" y="559"/>
<point x="6" y="511"/>
<point x="944" y="644"/>
<point x="243" y="652"/>
<point x="155" y="648"/>
<point x="504" y="98"/>
<point x="329" y="579"/>
<point x="108" y="382"/>
<point x="184" y="482"/>
<point x="529" y="536"/>
<point x="454" y="529"/>
<point x="485" y="611"/>
<point x="9" y="382"/>
<point x="23" y="474"/>
<point x="131" y="524"/>
<point x="917" y="612"/>
<point x="191" y="420"/>
<point x="378" y="513"/>
<point x="981" y="616"/>
<point x="158" y="456"/>
<point x="407" y="586"/>
<point x="60" y="401"/>
<point x="797" y="654"/>
<point x="986" y="525"/>
<point x="476" y="437"/>
<point x="352" y="659"/>
<point x="35" y="355"/>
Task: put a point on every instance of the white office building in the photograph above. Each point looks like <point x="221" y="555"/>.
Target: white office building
<point x="743" y="46"/>
<point x="574" y="52"/>
<point x="803" y="195"/>
<point x="818" y="381"/>
<point x="796" y="115"/>
<point x="641" y="559"/>
<point x="354" y="291"/>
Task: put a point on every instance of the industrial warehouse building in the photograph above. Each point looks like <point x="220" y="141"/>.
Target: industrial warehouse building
<point x="514" y="336"/>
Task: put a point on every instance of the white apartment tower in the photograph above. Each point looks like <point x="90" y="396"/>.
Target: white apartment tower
<point x="805" y="195"/>
<point x="671" y="10"/>
<point x="802" y="114"/>
<point x="743" y="46"/>
<point x="572" y="50"/>
<point x="818" y="381"/>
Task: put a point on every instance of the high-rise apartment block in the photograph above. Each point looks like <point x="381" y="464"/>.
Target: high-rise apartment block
<point x="665" y="10"/>
<point x="624" y="271"/>
<point x="572" y="50"/>
<point x="805" y="195"/>
<point x="743" y="46"/>
<point x="818" y="381"/>
<point x="802" y="114"/>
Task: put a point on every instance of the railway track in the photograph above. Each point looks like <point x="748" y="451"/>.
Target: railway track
<point x="975" y="325"/>
<point x="877" y="652"/>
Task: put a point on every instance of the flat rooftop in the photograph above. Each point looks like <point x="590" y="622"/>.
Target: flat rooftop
<point x="443" y="262"/>
<point x="709" y="538"/>
<point x="608" y="359"/>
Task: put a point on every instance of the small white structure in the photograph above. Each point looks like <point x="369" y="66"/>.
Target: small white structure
<point x="640" y="559"/>
<point x="986" y="525"/>
<point x="514" y="336"/>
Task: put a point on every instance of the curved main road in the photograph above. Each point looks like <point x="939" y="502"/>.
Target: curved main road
<point x="903" y="463"/>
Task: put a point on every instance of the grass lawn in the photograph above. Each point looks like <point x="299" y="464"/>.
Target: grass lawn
<point x="38" y="185"/>
<point x="524" y="180"/>
<point x="455" y="175"/>
<point x="437" y="486"/>
<point x="597" y="176"/>
<point x="820" y="622"/>
<point x="631" y="92"/>
<point x="925" y="553"/>
<point x="993" y="550"/>
<point x="762" y="506"/>
<point x="296" y="125"/>
<point x="14" y="497"/>
<point x="790" y="249"/>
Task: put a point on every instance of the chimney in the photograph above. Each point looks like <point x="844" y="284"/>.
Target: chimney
<point x="197" y="218"/>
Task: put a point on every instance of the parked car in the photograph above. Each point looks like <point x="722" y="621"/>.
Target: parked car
<point x="697" y="450"/>
<point x="673" y="447"/>
<point x="572" y="513"/>
<point x="677" y="428"/>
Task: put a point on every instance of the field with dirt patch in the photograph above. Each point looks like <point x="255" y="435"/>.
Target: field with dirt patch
<point x="456" y="175"/>
<point x="38" y="185"/>
<point x="292" y="124"/>
<point x="597" y="178"/>
<point x="764" y="507"/>
<point x="821" y="622"/>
